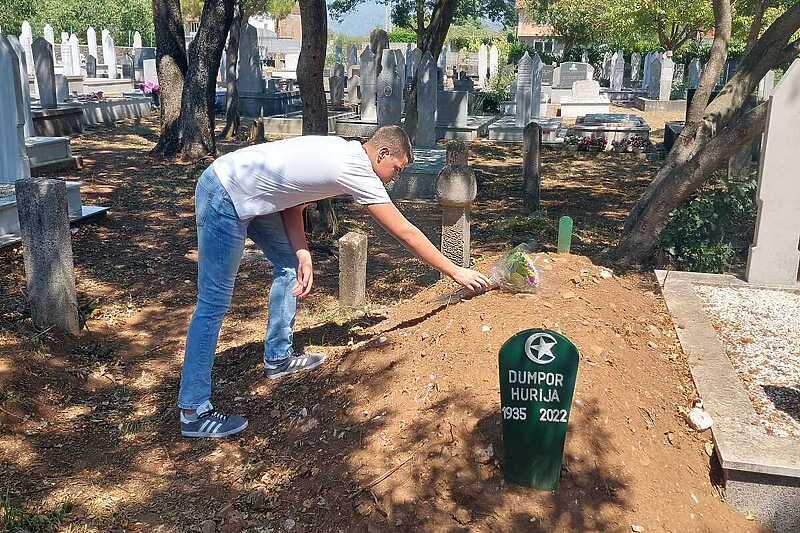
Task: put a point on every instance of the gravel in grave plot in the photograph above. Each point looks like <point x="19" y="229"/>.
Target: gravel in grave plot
<point x="760" y="330"/>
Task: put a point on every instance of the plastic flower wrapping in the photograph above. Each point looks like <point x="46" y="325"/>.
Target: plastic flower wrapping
<point x="514" y="272"/>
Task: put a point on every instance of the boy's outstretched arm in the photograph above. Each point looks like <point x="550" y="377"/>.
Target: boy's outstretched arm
<point x="415" y="241"/>
<point x="295" y="232"/>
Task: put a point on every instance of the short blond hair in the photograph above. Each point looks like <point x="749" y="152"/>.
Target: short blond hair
<point x="394" y="138"/>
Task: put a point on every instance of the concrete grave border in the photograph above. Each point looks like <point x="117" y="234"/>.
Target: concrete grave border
<point x="762" y="472"/>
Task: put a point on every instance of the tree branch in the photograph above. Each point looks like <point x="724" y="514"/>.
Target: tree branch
<point x="791" y="52"/>
<point x="755" y="26"/>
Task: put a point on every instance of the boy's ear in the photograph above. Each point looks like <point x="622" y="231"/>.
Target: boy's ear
<point x="384" y="151"/>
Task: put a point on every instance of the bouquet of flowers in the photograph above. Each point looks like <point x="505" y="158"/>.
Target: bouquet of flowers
<point x="149" y="87"/>
<point x="514" y="272"/>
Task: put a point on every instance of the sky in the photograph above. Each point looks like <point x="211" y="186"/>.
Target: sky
<point x="362" y="20"/>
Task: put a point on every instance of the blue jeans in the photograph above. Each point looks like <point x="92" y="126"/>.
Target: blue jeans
<point x="220" y="243"/>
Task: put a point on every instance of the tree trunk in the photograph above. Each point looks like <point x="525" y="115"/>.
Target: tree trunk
<point x="431" y="40"/>
<point x="310" y="66"/>
<point x="233" y="118"/>
<point x="172" y="67"/>
<point x="713" y="132"/>
<point x="196" y="123"/>
<point x="314" y="24"/>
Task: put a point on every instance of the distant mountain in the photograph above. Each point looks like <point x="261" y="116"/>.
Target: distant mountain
<point x="362" y="20"/>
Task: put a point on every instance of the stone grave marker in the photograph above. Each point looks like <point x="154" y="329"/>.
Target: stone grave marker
<point x="62" y="88"/>
<point x="336" y="84"/>
<point x="251" y="78"/>
<point x="483" y="64"/>
<point x="389" y="101"/>
<point x="400" y="61"/>
<point x="352" y="56"/>
<point x="338" y="54"/>
<point x="13" y="156"/>
<point x="149" y="71"/>
<point x="678" y="74"/>
<point x="426" y="103"/>
<point x="524" y="90"/>
<point x="91" y="67"/>
<point x="494" y="61"/>
<point x="538" y="368"/>
<point x="617" y="71"/>
<point x="75" y="55"/>
<point x="47" y="253"/>
<point x="378" y="42"/>
<point x="654" y="82"/>
<point x="586" y="90"/>
<point x="570" y="72"/>
<point x="605" y="73"/>
<point x="547" y="74"/>
<point x="353" y="269"/>
<point x="694" y="73"/>
<point x="774" y="257"/>
<point x="91" y="43"/>
<point x="456" y="189"/>
<point x="636" y="62"/>
<point x="137" y="40"/>
<point x="353" y="88"/>
<point x="26" y="40"/>
<point x="536" y="85"/>
<point x="109" y="54"/>
<point x="127" y="67"/>
<point x="531" y="166"/>
<point x="564" y="235"/>
<point x="369" y="111"/>
<point x="667" y="74"/>
<point x="66" y="55"/>
<point x="45" y="73"/>
<point x="49" y="35"/>
<point x="24" y="86"/>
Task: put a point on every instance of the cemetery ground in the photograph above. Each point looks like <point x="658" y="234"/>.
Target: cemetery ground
<point x="400" y="429"/>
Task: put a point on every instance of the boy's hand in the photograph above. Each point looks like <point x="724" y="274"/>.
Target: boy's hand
<point x="305" y="274"/>
<point x="471" y="279"/>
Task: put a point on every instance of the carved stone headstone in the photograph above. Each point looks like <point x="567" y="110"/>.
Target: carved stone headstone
<point x="45" y="72"/>
<point x="636" y="63"/>
<point x="400" y="61"/>
<point x="494" y="61"/>
<point x="49" y="35"/>
<point x="137" y="40"/>
<point x="536" y="85"/>
<point x="353" y="89"/>
<point x="694" y="73"/>
<point x="91" y="66"/>
<point x="456" y="189"/>
<point x="426" y="102"/>
<point x="524" y="89"/>
<point x="91" y="43"/>
<point x="251" y="78"/>
<point x="667" y="73"/>
<point x="654" y="82"/>
<point x="149" y="71"/>
<point x="75" y="55"/>
<point x="369" y="110"/>
<point x="606" y="71"/>
<point x="570" y="72"/>
<point x="547" y="74"/>
<point x="62" y="88"/>
<point x="13" y="157"/>
<point x="677" y="76"/>
<point x="352" y="56"/>
<point x="378" y="42"/>
<point x="24" y="91"/>
<point x="336" y="84"/>
<point x="483" y="64"/>
<point x="109" y="54"/>
<point x="66" y="55"/>
<point x="127" y="67"/>
<point x="774" y="257"/>
<point x="389" y="101"/>
<point x="26" y="40"/>
<point x="617" y="71"/>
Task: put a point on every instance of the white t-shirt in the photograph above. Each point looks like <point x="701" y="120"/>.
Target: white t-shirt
<point x="270" y="177"/>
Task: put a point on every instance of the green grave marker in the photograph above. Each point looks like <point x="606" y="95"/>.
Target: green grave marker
<point x="564" y="234"/>
<point x="537" y="377"/>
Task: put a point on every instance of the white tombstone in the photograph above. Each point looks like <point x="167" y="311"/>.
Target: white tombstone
<point x="774" y="257"/>
<point x="26" y="40"/>
<point x="109" y="54"/>
<point x="667" y="74"/>
<point x="648" y="59"/>
<point x="75" y="55"/>
<point x="24" y="87"/>
<point x="91" y="42"/>
<point x="48" y="34"/>
<point x="137" y="40"/>
<point x="483" y="64"/>
<point x="14" y="162"/>
<point x="494" y="61"/>
<point x="767" y="85"/>
<point x="584" y="99"/>
<point x="149" y="72"/>
<point x="694" y="73"/>
<point x="66" y="55"/>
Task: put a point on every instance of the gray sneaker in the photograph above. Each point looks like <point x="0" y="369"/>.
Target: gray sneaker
<point x="292" y="364"/>
<point x="211" y="423"/>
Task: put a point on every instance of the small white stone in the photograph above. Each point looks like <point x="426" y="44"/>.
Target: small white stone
<point x="289" y="524"/>
<point x="486" y="328"/>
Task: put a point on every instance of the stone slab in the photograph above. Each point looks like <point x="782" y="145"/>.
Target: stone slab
<point x="613" y="126"/>
<point x="660" y="106"/>
<point x="9" y="222"/>
<point x="291" y="124"/>
<point x="107" y="86"/>
<point x="108" y="112"/>
<point x="505" y="129"/>
<point x="762" y="472"/>
<point x="476" y="128"/>
<point x="574" y="109"/>
<point x="624" y="95"/>
<point x="418" y="180"/>
<point x="355" y="128"/>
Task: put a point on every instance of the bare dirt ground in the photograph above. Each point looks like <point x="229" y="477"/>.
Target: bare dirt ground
<point x="386" y="436"/>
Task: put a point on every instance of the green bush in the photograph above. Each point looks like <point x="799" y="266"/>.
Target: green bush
<point x="498" y="90"/>
<point x="402" y="35"/>
<point x="713" y="229"/>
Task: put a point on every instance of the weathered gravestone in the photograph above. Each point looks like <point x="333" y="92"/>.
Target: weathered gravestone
<point x="26" y="40"/>
<point x="456" y="189"/>
<point x="605" y="71"/>
<point x="369" y="111"/>
<point x="109" y="54"/>
<point x="47" y="253"/>
<point x="694" y="74"/>
<point x="524" y="89"/>
<point x="378" y="42"/>
<point x="667" y="74"/>
<point x="66" y="55"/>
<point x="547" y="74"/>
<point x="336" y="84"/>
<point x="538" y="368"/>
<point x="91" y="42"/>
<point x="352" y="56"/>
<point x="149" y="71"/>
<point x="483" y="64"/>
<point x="389" y="100"/>
<point x="536" y="85"/>
<point x="48" y="34"/>
<point x="45" y="73"/>
<point x="400" y="61"/>
<point x="774" y="257"/>
<point x="75" y="55"/>
<point x="531" y="166"/>
<point x="24" y="91"/>
<point x="353" y="269"/>
<point x="636" y="62"/>
<point x="62" y="89"/>
<point x="494" y="61"/>
<point x="13" y="157"/>
<point x="426" y="102"/>
<point x="617" y="71"/>
<point x="251" y="79"/>
<point x="654" y="81"/>
<point x="91" y="66"/>
<point x="353" y="86"/>
<point x="570" y="72"/>
<point x="127" y="67"/>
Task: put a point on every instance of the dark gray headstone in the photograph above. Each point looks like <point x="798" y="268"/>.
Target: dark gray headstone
<point x="378" y="42"/>
<point x="547" y="74"/>
<point x="91" y="67"/>
<point x="570" y="72"/>
<point x="369" y="111"/>
<point x="127" y="67"/>
<point x="45" y="73"/>
<point x="426" y="102"/>
<point x="389" y="100"/>
<point x="524" y="89"/>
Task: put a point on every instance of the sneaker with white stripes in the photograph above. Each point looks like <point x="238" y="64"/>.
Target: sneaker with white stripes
<point x="292" y="364"/>
<point x="208" y="422"/>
